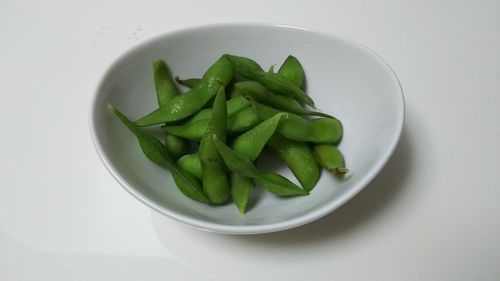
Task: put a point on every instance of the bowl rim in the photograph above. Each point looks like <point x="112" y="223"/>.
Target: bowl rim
<point x="247" y="229"/>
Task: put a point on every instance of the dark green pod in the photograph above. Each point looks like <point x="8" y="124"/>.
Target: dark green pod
<point x="294" y="127"/>
<point x="215" y="181"/>
<point x="154" y="150"/>
<point x="272" y="81"/>
<point x="185" y="105"/>
<point x="257" y="92"/>
<point x="272" y="182"/>
<point x="299" y="158"/>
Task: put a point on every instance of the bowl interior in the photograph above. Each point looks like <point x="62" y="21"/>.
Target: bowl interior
<point x="344" y="78"/>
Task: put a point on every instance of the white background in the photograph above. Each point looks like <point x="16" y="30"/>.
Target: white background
<point x="432" y="214"/>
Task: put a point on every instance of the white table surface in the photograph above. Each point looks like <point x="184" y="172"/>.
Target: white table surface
<point x="432" y="214"/>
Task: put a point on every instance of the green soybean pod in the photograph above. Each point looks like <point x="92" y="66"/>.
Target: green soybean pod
<point x="273" y="81"/>
<point x="242" y="121"/>
<point x="293" y="71"/>
<point x="215" y="181"/>
<point x="272" y="182"/>
<point x="251" y="143"/>
<point x="165" y="87"/>
<point x="241" y="188"/>
<point x="190" y="83"/>
<point x="280" y="85"/>
<point x="321" y="130"/>
<point x="176" y="146"/>
<point x="299" y="158"/>
<point x="246" y="67"/>
<point x="185" y="105"/>
<point x="233" y="105"/>
<point x="166" y="91"/>
<point x="191" y="131"/>
<point x="191" y="164"/>
<point x="154" y="150"/>
<point x="330" y="158"/>
<point x="253" y="90"/>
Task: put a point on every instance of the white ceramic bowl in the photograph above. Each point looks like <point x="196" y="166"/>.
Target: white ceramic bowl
<point x="344" y="78"/>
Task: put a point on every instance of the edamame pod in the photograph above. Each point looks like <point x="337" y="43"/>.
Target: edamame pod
<point x="191" y="131"/>
<point x="241" y="188"/>
<point x="185" y="105"/>
<point x="215" y="180"/>
<point x="321" y="130"/>
<point x="242" y="166"/>
<point x="330" y="158"/>
<point x="272" y="81"/>
<point x="241" y="121"/>
<point x="251" y="143"/>
<point x="292" y="70"/>
<point x="246" y="67"/>
<point x="165" y="87"/>
<point x="176" y="146"/>
<point x="166" y="91"/>
<point x="257" y="92"/>
<point x="299" y="158"/>
<point x="233" y="105"/>
<point x="190" y="83"/>
<point x="191" y="164"/>
<point x="280" y="85"/>
<point x="157" y="153"/>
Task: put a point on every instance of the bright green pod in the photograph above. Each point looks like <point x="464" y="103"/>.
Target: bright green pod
<point x="191" y="164"/>
<point x="176" y="145"/>
<point x="165" y="87"/>
<point x="233" y="105"/>
<point x="215" y="181"/>
<point x="299" y="158"/>
<point x="272" y="81"/>
<point x="190" y="83"/>
<point x="293" y="71"/>
<point x="246" y="67"/>
<point x="272" y="182"/>
<point x="241" y="188"/>
<point x="330" y="158"/>
<point x="185" y="105"/>
<point x="280" y="85"/>
<point x="321" y="130"/>
<point x="166" y="91"/>
<point x="191" y="131"/>
<point x="254" y="90"/>
<point x="251" y="143"/>
<point x="154" y="150"/>
<point x="242" y="121"/>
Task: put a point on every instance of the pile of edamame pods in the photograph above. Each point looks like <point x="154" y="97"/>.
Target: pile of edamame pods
<point x="230" y="115"/>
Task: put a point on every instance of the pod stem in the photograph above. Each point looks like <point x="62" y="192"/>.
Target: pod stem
<point x="338" y="170"/>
